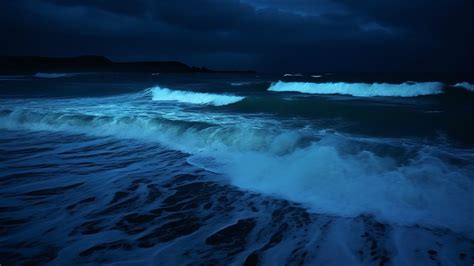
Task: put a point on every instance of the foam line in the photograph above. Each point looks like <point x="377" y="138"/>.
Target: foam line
<point x="164" y="94"/>
<point x="407" y="89"/>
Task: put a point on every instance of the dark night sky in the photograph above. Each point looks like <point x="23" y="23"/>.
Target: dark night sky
<point x="266" y="35"/>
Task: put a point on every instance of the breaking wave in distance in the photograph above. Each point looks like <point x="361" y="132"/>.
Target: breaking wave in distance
<point x="465" y="85"/>
<point x="406" y="89"/>
<point x="164" y="94"/>
<point x="53" y="75"/>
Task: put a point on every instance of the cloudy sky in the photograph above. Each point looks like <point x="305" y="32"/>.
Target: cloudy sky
<point x="266" y="35"/>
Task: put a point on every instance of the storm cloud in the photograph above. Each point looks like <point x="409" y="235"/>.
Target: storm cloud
<point x="279" y="35"/>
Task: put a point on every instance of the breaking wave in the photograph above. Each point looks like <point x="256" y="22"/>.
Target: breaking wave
<point x="164" y="94"/>
<point x="243" y="83"/>
<point x="53" y="75"/>
<point x="330" y="173"/>
<point x="407" y="89"/>
<point x="465" y="85"/>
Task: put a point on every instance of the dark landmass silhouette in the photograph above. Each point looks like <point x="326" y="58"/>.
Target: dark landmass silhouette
<point x="33" y="64"/>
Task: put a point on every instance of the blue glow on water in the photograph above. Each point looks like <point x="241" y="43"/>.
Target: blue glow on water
<point x="140" y="175"/>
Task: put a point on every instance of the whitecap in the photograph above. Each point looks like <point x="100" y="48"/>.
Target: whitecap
<point x="164" y="94"/>
<point x="361" y="89"/>
<point x="465" y="85"/>
<point x="52" y="75"/>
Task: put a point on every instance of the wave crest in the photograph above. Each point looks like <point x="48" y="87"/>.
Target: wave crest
<point x="465" y="85"/>
<point x="52" y="75"/>
<point x="406" y="89"/>
<point x="164" y="94"/>
<point x="330" y="173"/>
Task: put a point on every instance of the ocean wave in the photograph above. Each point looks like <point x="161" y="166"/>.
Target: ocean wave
<point x="407" y="89"/>
<point x="53" y="75"/>
<point x="242" y="83"/>
<point x="465" y="85"/>
<point x="329" y="173"/>
<point x="164" y="94"/>
<point x="185" y="135"/>
<point x="12" y="77"/>
<point x="325" y="177"/>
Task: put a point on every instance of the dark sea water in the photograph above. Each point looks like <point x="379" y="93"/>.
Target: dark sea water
<point x="176" y="169"/>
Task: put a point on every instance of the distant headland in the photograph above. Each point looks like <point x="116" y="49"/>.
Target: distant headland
<point x="15" y="64"/>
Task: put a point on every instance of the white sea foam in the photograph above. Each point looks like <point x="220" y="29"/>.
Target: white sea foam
<point x="427" y="190"/>
<point x="164" y="94"/>
<point x="53" y="75"/>
<point x="330" y="174"/>
<point x="293" y="75"/>
<point x="242" y="83"/>
<point x="361" y="89"/>
<point x="465" y="85"/>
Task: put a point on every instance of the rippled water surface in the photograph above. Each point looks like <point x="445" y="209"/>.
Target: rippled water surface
<point x="228" y="169"/>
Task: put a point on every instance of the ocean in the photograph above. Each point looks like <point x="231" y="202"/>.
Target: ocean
<point x="232" y="169"/>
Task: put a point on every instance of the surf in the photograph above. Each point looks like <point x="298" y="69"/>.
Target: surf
<point x="407" y="89"/>
<point x="165" y="94"/>
<point x="465" y="85"/>
<point x="53" y="75"/>
<point x="328" y="172"/>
